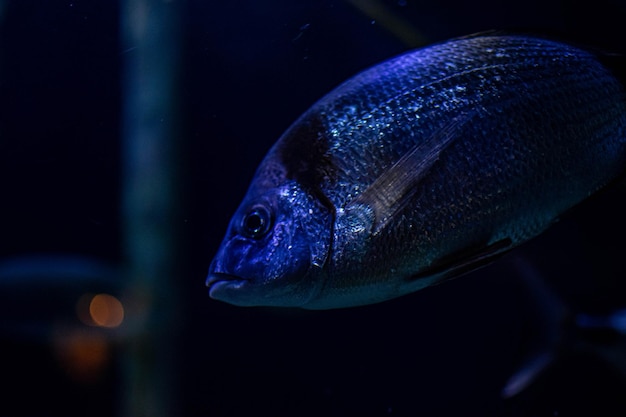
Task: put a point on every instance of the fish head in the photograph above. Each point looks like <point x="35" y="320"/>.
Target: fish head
<point x="275" y="247"/>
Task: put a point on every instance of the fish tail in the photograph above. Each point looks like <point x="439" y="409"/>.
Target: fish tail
<point x="548" y="315"/>
<point x="564" y="342"/>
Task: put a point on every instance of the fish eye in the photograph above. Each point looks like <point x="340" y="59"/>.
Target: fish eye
<point x="257" y="222"/>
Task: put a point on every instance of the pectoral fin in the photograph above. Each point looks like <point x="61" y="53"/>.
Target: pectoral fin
<point x="392" y="190"/>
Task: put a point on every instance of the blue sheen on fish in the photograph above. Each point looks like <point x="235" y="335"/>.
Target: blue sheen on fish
<point x="422" y="168"/>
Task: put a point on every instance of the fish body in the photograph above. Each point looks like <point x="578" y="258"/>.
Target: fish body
<point x="421" y="168"/>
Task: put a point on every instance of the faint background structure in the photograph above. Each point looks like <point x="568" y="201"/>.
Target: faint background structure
<point x="129" y="132"/>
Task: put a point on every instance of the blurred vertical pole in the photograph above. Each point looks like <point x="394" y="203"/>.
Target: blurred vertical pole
<point x="151" y="162"/>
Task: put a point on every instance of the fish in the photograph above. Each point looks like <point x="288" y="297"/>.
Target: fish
<point x="423" y="168"/>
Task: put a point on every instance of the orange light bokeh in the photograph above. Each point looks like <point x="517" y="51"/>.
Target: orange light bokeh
<point x="106" y="310"/>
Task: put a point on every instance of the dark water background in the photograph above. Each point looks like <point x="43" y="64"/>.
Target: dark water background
<point x="249" y="69"/>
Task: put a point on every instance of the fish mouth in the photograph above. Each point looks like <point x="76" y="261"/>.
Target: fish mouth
<point x="217" y="282"/>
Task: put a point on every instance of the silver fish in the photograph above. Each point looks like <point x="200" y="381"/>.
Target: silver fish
<point x="422" y="168"/>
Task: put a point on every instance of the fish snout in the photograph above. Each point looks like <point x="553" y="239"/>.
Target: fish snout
<point x="218" y="282"/>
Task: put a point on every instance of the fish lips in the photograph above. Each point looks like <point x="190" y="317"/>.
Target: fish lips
<point x="221" y="285"/>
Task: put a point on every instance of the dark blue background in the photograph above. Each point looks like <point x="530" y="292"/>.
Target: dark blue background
<point x="249" y="69"/>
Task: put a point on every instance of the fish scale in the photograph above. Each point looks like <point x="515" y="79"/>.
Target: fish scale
<point x="422" y="168"/>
